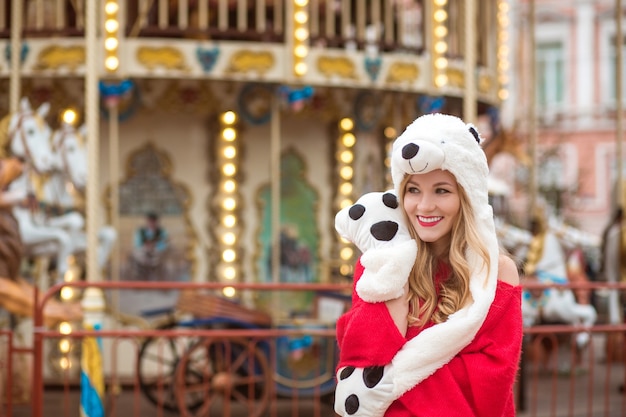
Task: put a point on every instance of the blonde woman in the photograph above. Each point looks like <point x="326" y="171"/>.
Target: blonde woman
<point x="455" y="337"/>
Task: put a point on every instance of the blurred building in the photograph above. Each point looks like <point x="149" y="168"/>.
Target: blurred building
<point x="575" y="105"/>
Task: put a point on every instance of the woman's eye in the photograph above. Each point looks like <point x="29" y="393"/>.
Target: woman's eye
<point x="412" y="190"/>
<point x="442" y="191"/>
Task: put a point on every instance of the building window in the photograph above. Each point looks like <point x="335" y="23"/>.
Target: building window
<point x="550" y="75"/>
<point x="612" y="82"/>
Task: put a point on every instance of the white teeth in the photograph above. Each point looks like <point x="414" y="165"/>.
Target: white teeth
<point x="429" y="219"/>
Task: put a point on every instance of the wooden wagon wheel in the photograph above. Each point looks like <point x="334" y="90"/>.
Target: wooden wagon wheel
<point x="229" y="374"/>
<point x="156" y="366"/>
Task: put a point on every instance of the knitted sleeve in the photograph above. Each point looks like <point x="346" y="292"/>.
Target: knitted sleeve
<point x="479" y="380"/>
<point x="366" y="334"/>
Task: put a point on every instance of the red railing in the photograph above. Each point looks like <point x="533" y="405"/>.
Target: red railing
<point x="237" y="370"/>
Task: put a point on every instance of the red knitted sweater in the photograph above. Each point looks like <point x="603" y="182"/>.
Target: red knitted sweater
<point x="478" y="381"/>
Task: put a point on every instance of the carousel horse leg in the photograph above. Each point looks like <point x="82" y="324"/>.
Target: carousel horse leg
<point x="47" y="235"/>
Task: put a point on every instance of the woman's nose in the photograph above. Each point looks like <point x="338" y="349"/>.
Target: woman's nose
<point x="426" y="202"/>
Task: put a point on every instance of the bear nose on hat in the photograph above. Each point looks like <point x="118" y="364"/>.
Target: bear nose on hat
<point x="410" y="150"/>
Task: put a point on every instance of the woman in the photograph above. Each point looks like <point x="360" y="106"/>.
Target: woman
<point x="456" y="341"/>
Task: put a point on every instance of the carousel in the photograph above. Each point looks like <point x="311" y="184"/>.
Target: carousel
<point x="223" y="134"/>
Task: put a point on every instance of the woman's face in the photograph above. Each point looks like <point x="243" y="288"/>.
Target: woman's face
<point x="432" y="203"/>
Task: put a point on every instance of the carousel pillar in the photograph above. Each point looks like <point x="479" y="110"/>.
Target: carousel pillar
<point x="275" y="187"/>
<point x="275" y="199"/>
<point x="16" y="47"/>
<point x="532" y="110"/>
<point x="619" y="124"/>
<point x="114" y="168"/>
<point x="92" y="376"/>
<point x="469" y="93"/>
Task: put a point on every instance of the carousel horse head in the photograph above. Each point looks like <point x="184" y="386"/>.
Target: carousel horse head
<point x="70" y="147"/>
<point x="26" y="135"/>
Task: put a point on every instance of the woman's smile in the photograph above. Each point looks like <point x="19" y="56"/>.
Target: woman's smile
<point x="429" y="221"/>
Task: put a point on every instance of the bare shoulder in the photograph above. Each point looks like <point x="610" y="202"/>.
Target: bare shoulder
<point x="507" y="270"/>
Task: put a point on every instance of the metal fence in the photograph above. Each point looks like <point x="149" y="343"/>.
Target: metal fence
<point x="171" y="362"/>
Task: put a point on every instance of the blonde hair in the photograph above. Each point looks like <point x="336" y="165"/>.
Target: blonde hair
<point x="454" y="294"/>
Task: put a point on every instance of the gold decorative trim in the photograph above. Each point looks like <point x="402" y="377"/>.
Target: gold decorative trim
<point x="332" y="66"/>
<point x="167" y="57"/>
<point x="403" y="72"/>
<point x="485" y="84"/>
<point x="245" y="61"/>
<point x="55" y="57"/>
<point x="456" y="77"/>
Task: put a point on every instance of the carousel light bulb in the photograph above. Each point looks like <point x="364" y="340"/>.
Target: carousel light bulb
<point x="230" y="152"/>
<point x="441" y="47"/>
<point x="300" y="68"/>
<point x="229" y="134"/>
<point x="230" y="273"/>
<point x="346" y="202"/>
<point x="346" y="188"/>
<point x="440" y="15"/>
<point x="229" y="255"/>
<point x="346" y="157"/>
<point x="64" y="345"/>
<point x="346" y="172"/>
<point x="346" y="253"/>
<point x="301" y="17"/>
<point x="301" y="34"/>
<point x="111" y="25"/>
<point x="229" y="238"/>
<point x="348" y="140"/>
<point x="300" y="51"/>
<point x="346" y="124"/>
<point x="65" y="328"/>
<point x="440" y="31"/>
<point x="229" y="292"/>
<point x="229" y="117"/>
<point x="64" y="363"/>
<point x="111" y="7"/>
<point x="229" y="169"/>
<point x="229" y="220"/>
<point x="390" y="132"/>
<point x="345" y="270"/>
<point x="111" y="63"/>
<point x="441" y="63"/>
<point x="229" y="186"/>
<point x="229" y="204"/>
<point x="69" y="116"/>
<point x="111" y="43"/>
<point x="67" y="293"/>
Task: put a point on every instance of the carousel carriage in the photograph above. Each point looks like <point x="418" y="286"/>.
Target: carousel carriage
<point x="192" y="375"/>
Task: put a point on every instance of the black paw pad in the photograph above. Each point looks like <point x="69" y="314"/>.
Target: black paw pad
<point x="352" y="404"/>
<point x="346" y="372"/>
<point x="372" y="375"/>
<point x="356" y="211"/>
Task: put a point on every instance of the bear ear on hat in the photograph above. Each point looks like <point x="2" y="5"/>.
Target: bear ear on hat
<point x="475" y="133"/>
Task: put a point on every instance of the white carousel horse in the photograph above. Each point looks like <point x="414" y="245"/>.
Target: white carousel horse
<point x="552" y="305"/>
<point x="26" y="135"/>
<point x="66" y="182"/>
<point x="557" y="304"/>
